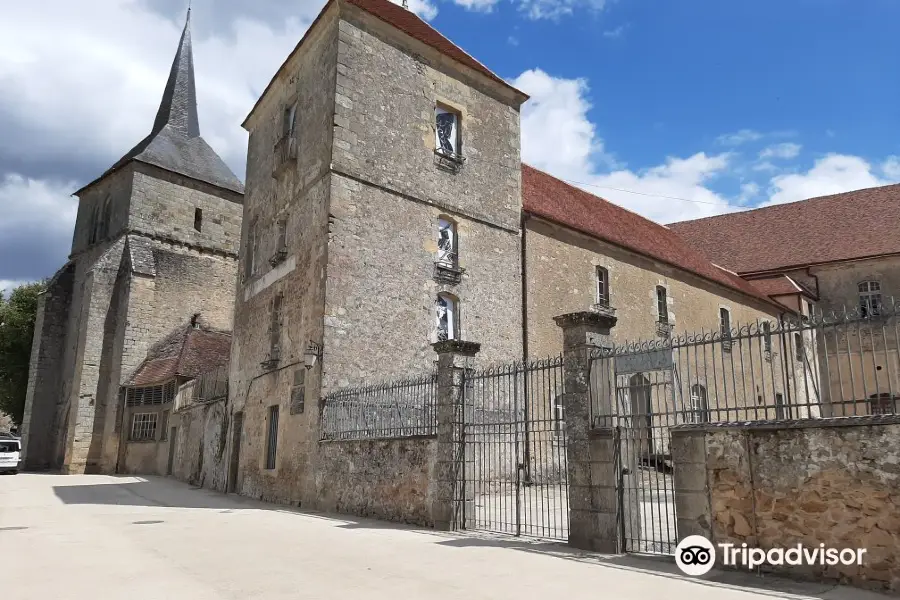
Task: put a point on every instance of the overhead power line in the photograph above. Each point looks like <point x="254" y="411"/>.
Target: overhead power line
<point x="606" y="187"/>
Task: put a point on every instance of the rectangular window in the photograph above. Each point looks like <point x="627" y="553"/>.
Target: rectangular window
<point x="143" y="427"/>
<point x="290" y="120"/>
<point x="767" y="336"/>
<point x="275" y="341"/>
<point x="198" y="219"/>
<point x="662" y="306"/>
<point x="446" y="130"/>
<point x="798" y="346"/>
<point x="725" y="323"/>
<point x="602" y="286"/>
<point x="272" y="438"/>
<point x="282" y="235"/>
<point x="447" y="313"/>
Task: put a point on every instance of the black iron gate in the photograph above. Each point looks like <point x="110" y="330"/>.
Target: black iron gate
<point x="515" y="450"/>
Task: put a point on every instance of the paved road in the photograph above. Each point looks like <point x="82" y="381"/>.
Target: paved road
<point x="123" y="537"/>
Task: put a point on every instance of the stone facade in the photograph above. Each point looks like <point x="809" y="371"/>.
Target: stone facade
<point x="353" y="271"/>
<point x="831" y="481"/>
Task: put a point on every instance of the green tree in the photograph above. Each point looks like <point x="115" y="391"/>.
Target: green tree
<point x="17" y="315"/>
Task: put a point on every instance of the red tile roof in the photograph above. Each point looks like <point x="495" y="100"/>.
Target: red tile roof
<point x="550" y="198"/>
<point x="186" y="352"/>
<point x="780" y="285"/>
<point x="834" y="228"/>
<point x="410" y="24"/>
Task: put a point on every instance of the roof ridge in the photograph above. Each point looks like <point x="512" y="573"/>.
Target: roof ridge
<point x="628" y="210"/>
<point x="782" y="204"/>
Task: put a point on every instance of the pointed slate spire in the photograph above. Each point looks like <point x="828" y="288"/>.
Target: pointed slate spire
<point x="178" y="108"/>
<point x="174" y="142"/>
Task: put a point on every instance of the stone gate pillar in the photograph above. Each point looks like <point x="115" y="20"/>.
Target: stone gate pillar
<point x="590" y="451"/>
<point x="453" y="468"/>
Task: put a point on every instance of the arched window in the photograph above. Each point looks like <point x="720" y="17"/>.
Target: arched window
<point x="448" y="250"/>
<point x="699" y="412"/>
<point x="869" y="298"/>
<point x="447" y="315"/>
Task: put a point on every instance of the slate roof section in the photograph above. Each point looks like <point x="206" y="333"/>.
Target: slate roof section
<point x="410" y="24"/>
<point x="555" y="200"/>
<point x="174" y="142"/>
<point x="186" y="352"/>
<point x="140" y="256"/>
<point x="860" y="224"/>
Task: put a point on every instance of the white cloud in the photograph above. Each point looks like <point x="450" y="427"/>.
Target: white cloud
<point x="833" y="174"/>
<point x="739" y="137"/>
<point x="7" y="286"/>
<point x="477" y="5"/>
<point x="785" y="150"/>
<point x="614" y="33"/>
<point x="891" y="168"/>
<point x="558" y="137"/>
<point x="553" y="9"/>
<point x="427" y="9"/>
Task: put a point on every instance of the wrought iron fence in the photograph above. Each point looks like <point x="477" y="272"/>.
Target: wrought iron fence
<point x="836" y="364"/>
<point x="396" y="409"/>
<point x="515" y="449"/>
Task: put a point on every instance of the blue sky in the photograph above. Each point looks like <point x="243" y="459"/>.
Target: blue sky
<point x="675" y="109"/>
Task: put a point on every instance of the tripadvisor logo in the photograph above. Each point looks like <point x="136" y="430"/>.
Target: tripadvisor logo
<point x="695" y="555"/>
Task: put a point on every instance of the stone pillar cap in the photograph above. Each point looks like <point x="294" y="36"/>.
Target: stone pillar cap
<point x="457" y="347"/>
<point x="586" y="317"/>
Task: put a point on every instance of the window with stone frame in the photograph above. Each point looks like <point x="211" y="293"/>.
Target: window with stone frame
<point x="448" y="139"/>
<point x="281" y="244"/>
<point x="251" y="247"/>
<point x="602" y="276"/>
<point x="198" y="219"/>
<point x="699" y="410"/>
<point x="275" y="327"/>
<point x="798" y="346"/>
<point x="869" y="298"/>
<point x="725" y="323"/>
<point x="662" y="305"/>
<point x="447" y="316"/>
<point x="143" y="427"/>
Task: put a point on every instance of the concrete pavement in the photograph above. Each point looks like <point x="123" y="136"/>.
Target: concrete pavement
<point x="134" y="538"/>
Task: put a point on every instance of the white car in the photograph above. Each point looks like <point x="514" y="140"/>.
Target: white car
<point x="10" y="454"/>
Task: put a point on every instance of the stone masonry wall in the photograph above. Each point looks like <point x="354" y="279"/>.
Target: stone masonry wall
<point x="388" y="479"/>
<point x="831" y="481"/>
<point x="298" y="197"/>
<point x="45" y="384"/>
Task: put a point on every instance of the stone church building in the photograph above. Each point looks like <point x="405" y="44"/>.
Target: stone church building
<point x="386" y="208"/>
<point x="155" y="248"/>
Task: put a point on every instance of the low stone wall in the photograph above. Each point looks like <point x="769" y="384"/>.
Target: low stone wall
<point x="388" y="479"/>
<point x="778" y="484"/>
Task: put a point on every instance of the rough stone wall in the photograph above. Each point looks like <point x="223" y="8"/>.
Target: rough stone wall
<point x="389" y="479"/>
<point x="387" y="89"/>
<point x="386" y="198"/>
<point x="163" y="206"/>
<point x="45" y="385"/>
<point x="103" y="210"/>
<point x="200" y="441"/>
<point x="381" y="289"/>
<point x="298" y="197"/>
<point x="834" y="481"/>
